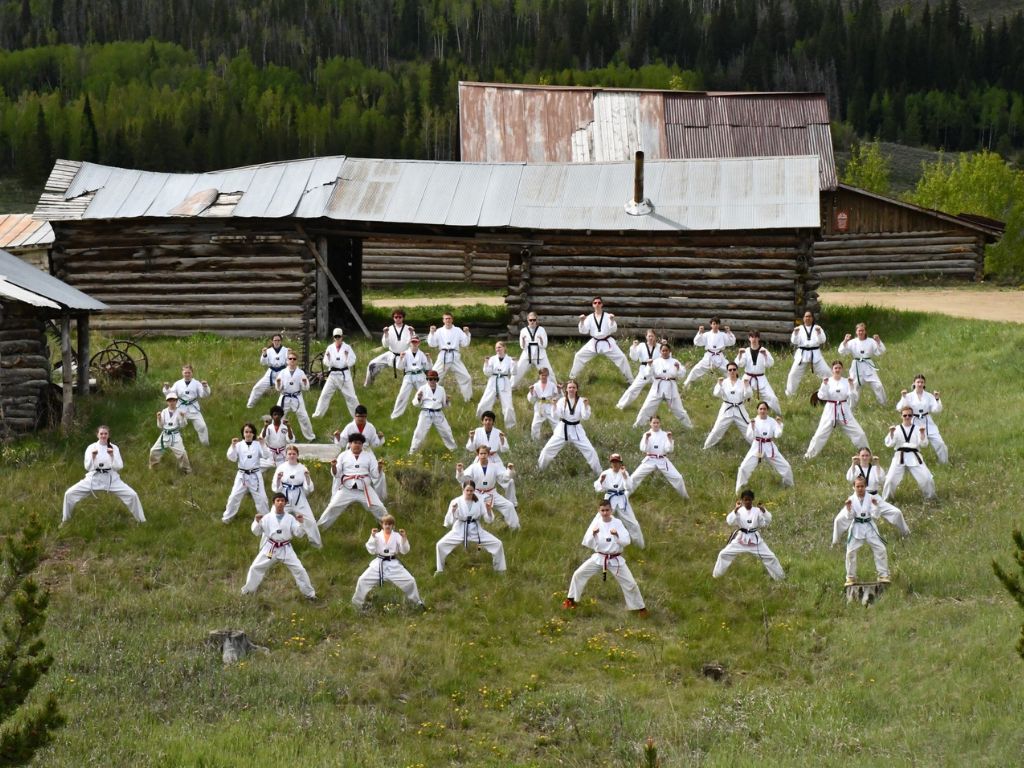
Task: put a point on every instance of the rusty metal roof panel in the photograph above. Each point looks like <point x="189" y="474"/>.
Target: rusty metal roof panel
<point x="21" y="230"/>
<point x="820" y="144"/>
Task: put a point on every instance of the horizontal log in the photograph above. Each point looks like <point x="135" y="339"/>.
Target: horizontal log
<point x="664" y="273"/>
<point x="884" y="250"/>
<point x="586" y="254"/>
<point x="589" y="288"/>
<point x="199" y="310"/>
<point x="968" y="272"/>
<point x="156" y="326"/>
<point x="19" y="425"/>
<point x="22" y="345"/>
<point x="274" y="295"/>
<point x="24" y="360"/>
<point x="166" y="288"/>
<point x="24" y="386"/>
<point x="886" y="267"/>
<point x="844" y="243"/>
<point x="646" y="262"/>
<point x="886" y="235"/>
<point x="22" y="373"/>
<point x="262" y="276"/>
<point x="908" y="258"/>
<point x="676" y="292"/>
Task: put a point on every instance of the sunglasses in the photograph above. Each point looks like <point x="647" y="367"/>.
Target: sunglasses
<point x="293" y="358"/>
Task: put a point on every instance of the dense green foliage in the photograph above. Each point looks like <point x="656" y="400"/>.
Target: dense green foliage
<point x="495" y="673"/>
<point x="868" y="168"/>
<point x="194" y="85"/>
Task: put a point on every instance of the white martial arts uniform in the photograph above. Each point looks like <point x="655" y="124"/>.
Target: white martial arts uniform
<point x="340" y="363"/>
<point x="275" y="361"/>
<point x="357" y="475"/>
<point x="448" y="341"/>
<point x="543" y="398"/>
<point x="755" y="364"/>
<point x="276" y="535"/>
<point x="607" y="558"/>
<point x="373" y="440"/>
<point x="386" y="567"/>
<point x="276" y="439"/>
<point x="295" y="482"/>
<point x="534" y="355"/>
<point x="487" y="480"/>
<point x="414" y="365"/>
<point x="601" y="330"/>
<point x="396" y="339"/>
<point x="570" y="430"/>
<point x="763" y="433"/>
<point x="171" y="423"/>
<point x="732" y="412"/>
<point x="746" y="539"/>
<point x="616" y="487"/>
<point x="496" y="442"/>
<point x="431" y="403"/>
<point x="188" y="393"/>
<point x="643" y="353"/>
<point x="656" y="446"/>
<point x="863" y="370"/>
<point x="499" y="372"/>
<point x="464" y="518"/>
<point x="907" y="442"/>
<point x="291" y="385"/>
<point x="102" y="473"/>
<point x="248" y="479"/>
<point x="665" y="375"/>
<point x="874" y="479"/>
<point x="714" y="343"/>
<point x="860" y="525"/>
<point x="808" y="343"/>
<point x="837" y="411"/>
<point x="924" y="407"/>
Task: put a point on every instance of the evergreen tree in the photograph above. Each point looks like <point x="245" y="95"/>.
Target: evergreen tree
<point x="1014" y="583"/>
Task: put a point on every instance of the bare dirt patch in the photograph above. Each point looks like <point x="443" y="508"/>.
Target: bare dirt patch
<point x="978" y="303"/>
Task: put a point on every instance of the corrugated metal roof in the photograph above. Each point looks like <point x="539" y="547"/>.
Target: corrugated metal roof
<point x="531" y="123"/>
<point x="21" y="231"/>
<point x="686" y="194"/>
<point x="28" y="278"/>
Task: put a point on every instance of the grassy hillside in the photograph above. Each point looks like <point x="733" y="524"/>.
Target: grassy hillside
<point x="495" y="674"/>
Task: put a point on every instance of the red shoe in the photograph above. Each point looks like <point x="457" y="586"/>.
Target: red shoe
<point x="568" y="603"/>
<point x="641" y="613"/>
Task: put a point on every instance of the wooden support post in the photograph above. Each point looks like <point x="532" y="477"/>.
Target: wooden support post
<point x="67" y="413"/>
<point x="322" y="296"/>
<point x="83" y="353"/>
<point x="323" y="265"/>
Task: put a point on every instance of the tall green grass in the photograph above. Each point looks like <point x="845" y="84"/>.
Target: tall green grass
<point x="495" y="674"/>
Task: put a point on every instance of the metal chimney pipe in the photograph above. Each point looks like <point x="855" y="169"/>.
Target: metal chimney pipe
<point x="638" y="177"/>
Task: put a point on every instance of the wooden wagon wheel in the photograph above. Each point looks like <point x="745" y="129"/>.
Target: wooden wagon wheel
<point x="112" y="364"/>
<point x="134" y="351"/>
<point x="317" y="372"/>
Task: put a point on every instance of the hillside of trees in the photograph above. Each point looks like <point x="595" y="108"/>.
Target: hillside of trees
<point x="196" y="85"/>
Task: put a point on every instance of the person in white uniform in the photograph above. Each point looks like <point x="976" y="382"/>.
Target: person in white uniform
<point x="171" y="421"/>
<point x="465" y="516"/>
<point x="863" y="369"/>
<point x="607" y="536"/>
<point x="386" y="545"/>
<point x="755" y="361"/>
<point x="414" y="364"/>
<point x="543" y="394"/>
<point x="656" y="445"/>
<point x="834" y="393"/>
<point x="808" y="339"/>
<point x="907" y="439"/>
<point x="714" y="342"/>
<point x="431" y="399"/>
<point x="571" y="411"/>
<point x="374" y="440"/>
<point x="340" y="363"/>
<point x="733" y="392"/>
<point x="642" y="352"/>
<point x="395" y="339"/>
<point x="601" y="328"/>
<point x="103" y="465"/>
<point x="274" y="358"/>
<point x="495" y="441"/>
<point x="357" y="471"/>
<point x="533" y="340"/>
<point x="277" y="435"/>
<point x="277" y="531"/>
<point x="291" y="383"/>
<point x="924" y="404"/>
<point x="499" y="369"/>
<point x="486" y="477"/>
<point x="764" y="434"/>
<point x="665" y="374"/>
<point x="449" y="340"/>
<point x="748" y="521"/>
<point x="249" y="454"/>
<point x="865" y="465"/>
<point x="616" y="485"/>
<point x="858" y="519"/>
<point x="293" y="480"/>
<point x="189" y="391"/>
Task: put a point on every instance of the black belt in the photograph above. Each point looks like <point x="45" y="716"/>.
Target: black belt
<point x="465" y="532"/>
<point x="101" y="471"/>
<point x="389" y="557"/>
<point x="565" y="428"/>
<point x="749" y="530"/>
<point x="738" y="407"/>
<point x="248" y="471"/>
<point x="906" y="450"/>
<point x="873" y="493"/>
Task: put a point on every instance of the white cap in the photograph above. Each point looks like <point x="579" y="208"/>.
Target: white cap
<point x="338" y="332"/>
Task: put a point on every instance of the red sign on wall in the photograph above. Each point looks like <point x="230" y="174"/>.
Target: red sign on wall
<point x="842" y="221"/>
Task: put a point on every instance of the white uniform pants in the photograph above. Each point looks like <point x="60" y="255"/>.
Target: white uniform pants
<point x="195" y="418"/>
<point x="380" y="571"/>
<point x="337" y="381"/>
<point x="796" y="372"/>
<point x="477" y="537"/>
<point x="340" y="501"/>
<point x="557" y="441"/>
<point x="410" y="384"/>
<point x="543" y="413"/>
<point x="246" y="484"/>
<point x="102" y="482"/>
<point x="452" y="362"/>
<point x="623" y="510"/>
<point x="762" y="390"/>
<point x="754" y="546"/>
<point x="893" y="516"/>
<point x="728" y="416"/>
<point x="921" y="473"/>
<point x="296" y="404"/>
<point x="263" y="385"/>
<point x="710" y="362"/>
<point x="524" y="364"/>
<point x="503" y="506"/>
<point x="606" y="347"/>
<point x="666" y="467"/>
<point x="641" y="380"/>
<point x="662" y="391"/>
<point x="263" y="563"/>
<point x="771" y="456"/>
<point x="828" y="422"/>
<point x="617" y="567"/>
<point x="877" y="549"/>
<point x="491" y="393"/>
<point x="175" y="445"/>
<point x="436" y="420"/>
<point x="379" y="364"/>
<point x="308" y="518"/>
<point x="865" y="374"/>
<point x="934" y="438"/>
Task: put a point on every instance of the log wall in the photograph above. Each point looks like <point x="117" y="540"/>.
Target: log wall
<point x="947" y="253"/>
<point x="393" y="262"/>
<point x="24" y="367"/>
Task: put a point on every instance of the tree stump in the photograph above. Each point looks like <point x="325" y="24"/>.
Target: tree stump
<point x="234" y="644"/>
<point x="715" y="671"/>
<point x="866" y="593"/>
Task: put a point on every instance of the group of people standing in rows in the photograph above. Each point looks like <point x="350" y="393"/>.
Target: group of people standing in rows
<point x="488" y="482"/>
